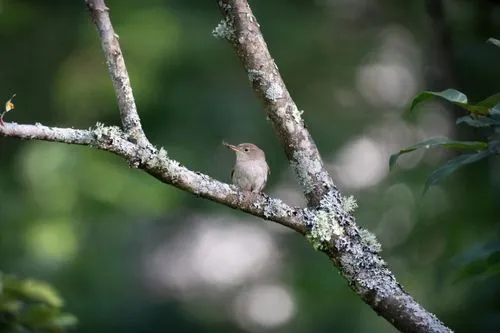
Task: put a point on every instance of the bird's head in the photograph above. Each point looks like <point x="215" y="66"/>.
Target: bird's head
<point x="246" y="152"/>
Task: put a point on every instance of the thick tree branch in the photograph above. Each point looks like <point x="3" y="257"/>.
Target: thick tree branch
<point x="333" y="229"/>
<point x="158" y="164"/>
<point x="240" y="27"/>
<point x="117" y="70"/>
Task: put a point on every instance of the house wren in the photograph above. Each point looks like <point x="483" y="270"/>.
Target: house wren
<point x="250" y="170"/>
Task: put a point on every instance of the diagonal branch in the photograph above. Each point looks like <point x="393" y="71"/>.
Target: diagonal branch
<point x="159" y="165"/>
<point x="118" y="71"/>
<point x="240" y="27"/>
<point x="333" y="229"/>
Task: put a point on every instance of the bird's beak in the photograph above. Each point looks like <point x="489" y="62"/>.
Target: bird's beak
<point x="229" y="146"/>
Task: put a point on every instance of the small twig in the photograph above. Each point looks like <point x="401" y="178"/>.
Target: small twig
<point x="9" y="106"/>
<point x="118" y="71"/>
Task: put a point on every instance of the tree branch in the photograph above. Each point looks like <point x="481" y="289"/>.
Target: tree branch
<point x="118" y="71"/>
<point x="240" y="27"/>
<point x="327" y="221"/>
<point x="333" y="229"/>
<point x="157" y="163"/>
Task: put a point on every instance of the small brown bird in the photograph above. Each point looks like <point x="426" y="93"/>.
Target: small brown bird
<point x="250" y="170"/>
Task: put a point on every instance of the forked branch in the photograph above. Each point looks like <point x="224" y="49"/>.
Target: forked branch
<point x="327" y="221"/>
<point x="353" y="250"/>
<point x="131" y="122"/>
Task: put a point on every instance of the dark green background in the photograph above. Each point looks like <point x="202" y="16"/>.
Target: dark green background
<point x="96" y="229"/>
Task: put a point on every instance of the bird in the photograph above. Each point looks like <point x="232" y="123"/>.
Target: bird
<point x="250" y="171"/>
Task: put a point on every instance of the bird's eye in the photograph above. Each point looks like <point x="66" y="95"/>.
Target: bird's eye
<point x="246" y="149"/>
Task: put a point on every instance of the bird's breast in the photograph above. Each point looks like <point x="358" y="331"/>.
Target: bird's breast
<point x="250" y="175"/>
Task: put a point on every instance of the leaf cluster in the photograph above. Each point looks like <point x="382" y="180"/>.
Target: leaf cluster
<point x="28" y="305"/>
<point x="483" y="260"/>
<point x="484" y="114"/>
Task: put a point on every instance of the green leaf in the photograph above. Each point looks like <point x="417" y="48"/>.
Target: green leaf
<point x="471" y="270"/>
<point x="477" y="109"/>
<point x="494" y="41"/>
<point x="45" y="318"/>
<point x="440" y="142"/>
<point x="10" y="305"/>
<point x="479" y="261"/>
<point x="32" y="290"/>
<point x="452" y="166"/>
<point x="458" y="98"/>
<point x="451" y="95"/>
<point x="38" y="315"/>
<point x="478" y="121"/>
<point x="33" y="305"/>
<point x="65" y="320"/>
<point x="490" y="101"/>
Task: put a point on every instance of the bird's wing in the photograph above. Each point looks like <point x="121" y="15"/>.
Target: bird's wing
<point x="232" y="173"/>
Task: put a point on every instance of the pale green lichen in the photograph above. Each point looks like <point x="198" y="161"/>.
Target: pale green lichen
<point x="369" y="240"/>
<point x="98" y="128"/>
<point x="324" y="221"/>
<point x="224" y="6"/>
<point x="100" y="131"/>
<point x="316" y="244"/>
<point x="326" y="226"/>
<point x="203" y="184"/>
<point x="297" y="114"/>
<point x="224" y="30"/>
<point x="349" y="204"/>
<point x="358" y="259"/>
<point x="304" y="167"/>
<point x="311" y="218"/>
<point x="274" y="92"/>
<point x="274" y="89"/>
<point x="255" y="75"/>
<point x="273" y="208"/>
<point x="162" y="154"/>
<point x="303" y="176"/>
<point x="175" y="169"/>
<point x="349" y="266"/>
<point x="160" y="159"/>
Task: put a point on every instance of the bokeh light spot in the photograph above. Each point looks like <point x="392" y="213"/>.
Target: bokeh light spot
<point x="395" y="226"/>
<point x="361" y="163"/>
<point x="217" y="253"/>
<point x="52" y="240"/>
<point x="266" y="306"/>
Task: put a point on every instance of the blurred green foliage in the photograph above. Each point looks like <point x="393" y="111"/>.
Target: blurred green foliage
<point x="84" y="221"/>
<point x="485" y="115"/>
<point x="31" y="305"/>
